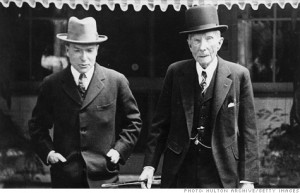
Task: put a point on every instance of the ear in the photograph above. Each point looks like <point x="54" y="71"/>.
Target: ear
<point x="220" y="43"/>
<point x="67" y="50"/>
<point x="189" y="43"/>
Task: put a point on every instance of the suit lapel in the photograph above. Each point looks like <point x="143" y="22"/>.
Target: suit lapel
<point x="187" y="88"/>
<point x="95" y="86"/>
<point x="222" y="86"/>
<point x="69" y="86"/>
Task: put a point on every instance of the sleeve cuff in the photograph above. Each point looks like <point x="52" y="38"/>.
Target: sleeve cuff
<point x="149" y="167"/>
<point x="245" y="181"/>
<point x="47" y="160"/>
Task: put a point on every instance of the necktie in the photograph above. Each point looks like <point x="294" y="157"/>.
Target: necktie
<point x="81" y="86"/>
<point x="203" y="82"/>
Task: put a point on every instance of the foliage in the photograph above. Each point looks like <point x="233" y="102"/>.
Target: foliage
<point x="19" y="165"/>
<point x="18" y="162"/>
<point x="280" y="159"/>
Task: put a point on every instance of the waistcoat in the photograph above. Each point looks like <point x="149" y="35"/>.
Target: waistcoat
<point x="202" y="111"/>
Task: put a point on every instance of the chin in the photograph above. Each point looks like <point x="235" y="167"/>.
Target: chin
<point x="84" y="70"/>
<point x="205" y="62"/>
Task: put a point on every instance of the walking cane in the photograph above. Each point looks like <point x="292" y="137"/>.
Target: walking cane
<point x="156" y="180"/>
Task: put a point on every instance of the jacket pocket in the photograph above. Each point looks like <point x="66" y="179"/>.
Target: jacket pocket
<point x="174" y="147"/>
<point x="103" y="107"/>
<point x="111" y="167"/>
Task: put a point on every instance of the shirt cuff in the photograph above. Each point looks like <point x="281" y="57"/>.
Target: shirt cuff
<point x="149" y="167"/>
<point x="244" y="182"/>
<point x="47" y="161"/>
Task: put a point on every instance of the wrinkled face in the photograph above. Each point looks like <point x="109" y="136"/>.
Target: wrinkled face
<point x="205" y="46"/>
<point x="82" y="57"/>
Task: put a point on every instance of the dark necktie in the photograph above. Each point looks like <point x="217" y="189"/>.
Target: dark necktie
<point x="203" y="82"/>
<point x="81" y="86"/>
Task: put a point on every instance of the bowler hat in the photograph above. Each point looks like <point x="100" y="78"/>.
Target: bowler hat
<point x="201" y="19"/>
<point x="82" y="31"/>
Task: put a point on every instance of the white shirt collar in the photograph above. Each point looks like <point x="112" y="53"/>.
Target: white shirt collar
<point x="88" y="75"/>
<point x="209" y="71"/>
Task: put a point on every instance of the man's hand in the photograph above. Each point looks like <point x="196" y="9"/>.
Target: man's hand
<point x="114" y="156"/>
<point x="54" y="157"/>
<point x="246" y="186"/>
<point x="147" y="174"/>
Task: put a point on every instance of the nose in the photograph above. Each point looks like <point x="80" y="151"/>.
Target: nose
<point x="83" y="56"/>
<point x="203" y="45"/>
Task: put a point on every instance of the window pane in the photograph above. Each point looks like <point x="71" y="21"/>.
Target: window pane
<point x="262" y="12"/>
<point x="262" y="51"/>
<point x="288" y="11"/>
<point x="271" y="56"/>
<point x="287" y="50"/>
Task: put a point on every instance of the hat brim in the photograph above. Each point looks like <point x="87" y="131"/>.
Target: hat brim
<point x="222" y="29"/>
<point x="64" y="37"/>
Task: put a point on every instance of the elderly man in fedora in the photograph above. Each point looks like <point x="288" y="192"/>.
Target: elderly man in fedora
<point x="81" y="104"/>
<point x="205" y="120"/>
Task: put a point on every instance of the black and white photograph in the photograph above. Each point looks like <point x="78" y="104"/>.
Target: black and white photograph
<point x="150" y="94"/>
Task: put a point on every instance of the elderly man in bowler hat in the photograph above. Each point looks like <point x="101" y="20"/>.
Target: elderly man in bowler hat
<point x="81" y="103"/>
<point x="205" y="120"/>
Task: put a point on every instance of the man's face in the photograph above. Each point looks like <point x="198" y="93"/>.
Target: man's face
<point x="82" y="57"/>
<point x="205" y="46"/>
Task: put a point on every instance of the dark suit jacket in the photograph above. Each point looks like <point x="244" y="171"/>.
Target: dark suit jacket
<point x="86" y="127"/>
<point x="234" y="133"/>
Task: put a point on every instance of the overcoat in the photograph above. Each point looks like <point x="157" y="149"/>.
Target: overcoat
<point x="234" y="134"/>
<point x="85" y="128"/>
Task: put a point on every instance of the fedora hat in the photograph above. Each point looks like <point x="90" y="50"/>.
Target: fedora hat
<point x="201" y="19"/>
<point x="82" y="31"/>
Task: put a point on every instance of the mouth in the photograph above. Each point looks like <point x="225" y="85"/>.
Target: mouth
<point x="83" y="65"/>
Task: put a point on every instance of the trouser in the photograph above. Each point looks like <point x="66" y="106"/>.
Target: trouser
<point x="73" y="174"/>
<point x="69" y="174"/>
<point x="198" y="170"/>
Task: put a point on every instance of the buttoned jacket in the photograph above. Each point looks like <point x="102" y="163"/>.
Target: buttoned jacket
<point x="234" y="139"/>
<point x="87" y="127"/>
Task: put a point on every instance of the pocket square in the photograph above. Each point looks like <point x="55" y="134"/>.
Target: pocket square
<point x="230" y="105"/>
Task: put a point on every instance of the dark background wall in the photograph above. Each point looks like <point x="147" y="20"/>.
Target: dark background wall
<point x="141" y="45"/>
